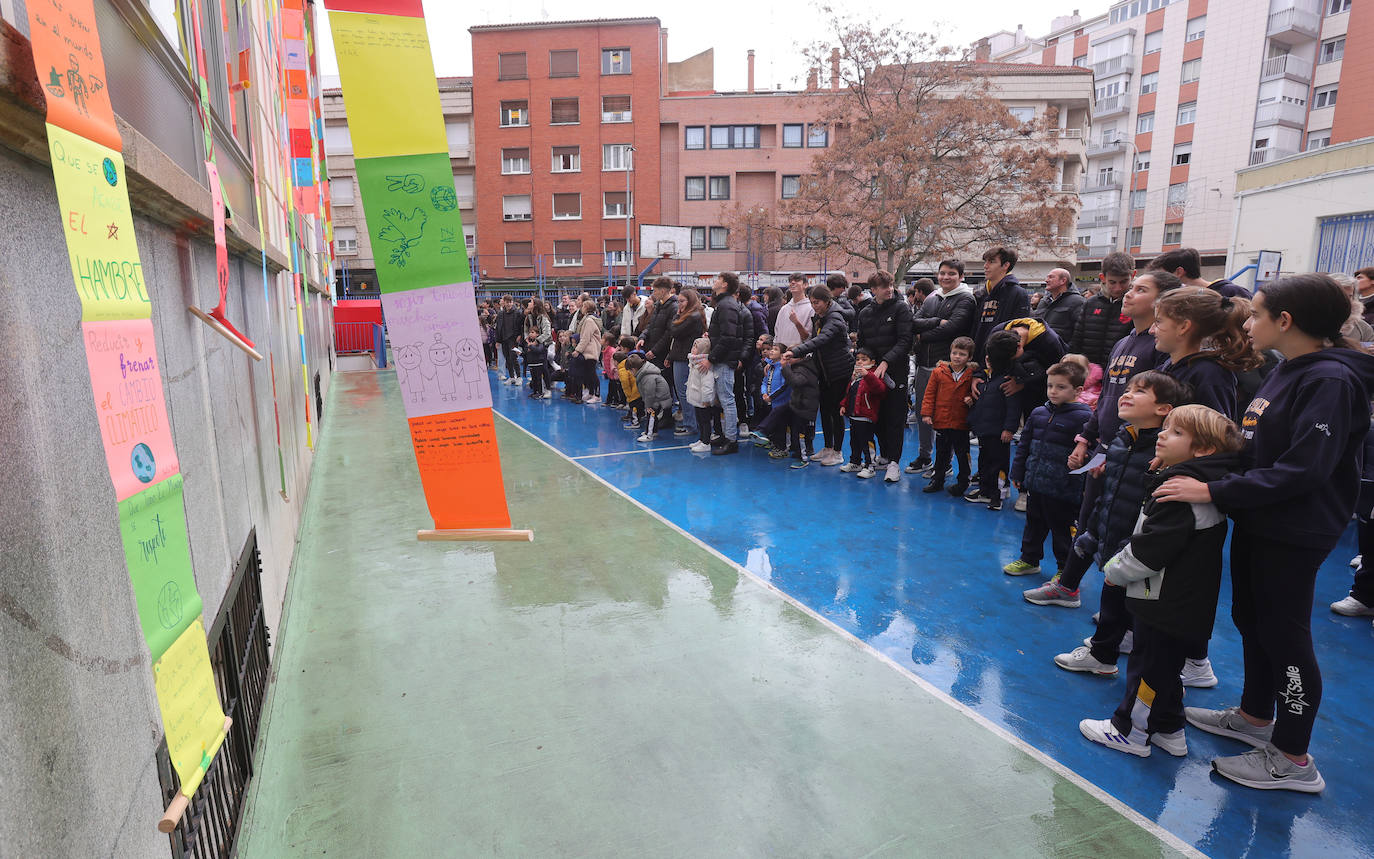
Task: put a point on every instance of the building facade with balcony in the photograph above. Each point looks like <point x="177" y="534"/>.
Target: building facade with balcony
<point x="356" y="273"/>
<point x="1177" y="113"/>
<point x="565" y="123"/>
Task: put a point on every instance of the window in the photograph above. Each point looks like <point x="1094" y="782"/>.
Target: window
<point x="1142" y="161"/>
<point x="463" y="183"/>
<point x="1183" y="153"/>
<point x="696" y="188"/>
<point x="814" y="238"/>
<point x="720" y="187"/>
<point x="346" y="239"/>
<point x="615" y="61"/>
<point x="563" y="111"/>
<point x="616" y="156"/>
<point x="1315" y="140"/>
<point x="1331" y="50"/>
<point x="567" y="159"/>
<point x="1336" y="7"/>
<point x="790" y="240"/>
<point x="337" y="139"/>
<point x="817" y="136"/>
<point x="615" y="252"/>
<point x="1178" y="194"/>
<point x="1081" y="62"/>
<point x="720" y="239"/>
<point x="1149" y="83"/>
<point x="341" y="191"/>
<point x="516" y="207"/>
<point x="519" y="254"/>
<point x="735" y="137"/>
<point x="515" y="161"/>
<point x="1085" y="240"/>
<point x="694" y="137"/>
<point x="1187" y="113"/>
<point x="1324" y="97"/>
<point x="567" y="207"/>
<point x="1138" y="200"/>
<point x="1173" y="234"/>
<point x="791" y="187"/>
<point x="615" y="108"/>
<point x="1134" y="236"/>
<point x="567" y="252"/>
<point x="515" y="113"/>
<point x="1197" y="28"/>
<point x="562" y="64"/>
<point x="1022" y="115"/>
<point x="1191" y="71"/>
<point x="456" y="130"/>
<point x="698" y="238"/>
<point x="615" y="205"/>
<point x="1145" y="123"/>
<point x="792" y="136"/>
<point x="469" y="238"/>
<point x="511" y="67"/>
<point x="1154" y="41"/>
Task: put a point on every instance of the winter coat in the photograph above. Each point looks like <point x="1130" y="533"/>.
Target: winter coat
<point x="561" y="318"/>
<point x="945" y="395"/>
<point x="998" y="305"/>
<point x="759" y="316"/>
<point x="1092" y="387"/>
<point x="729" y="327"/>
<point x="830" y="344"/>
<point x="994" y="412"/>
<point x="701" y="383"/>
<point x="653" y="388"/>
<point x="774" y="384"/>
<point x="608" y="362"/>
<point x="1304" y="433"/>
<point x="633" y="319"/>
<point x="589" y="338"/>
<point x="851" y="316"/>
<point x="1211" y="384"/>
<point x="658" y="335"/>
<point x="886" y="329"/>
<point x="1042" y="455"/>
<point x="1042" y="351"/>
<point x="802" y="378"/>
<point x="1134" y="353"/>
<point x="540" y="327"/>
<point x="1171" y="566"/>
<point x="1061" y="314"/>
<point x="955" y="316"/>
<point x="628" y="383"/>
<point x="1228" y="289"/>
<point x="684" y="334"/>
<point x="863" y="398"/>
<point x="509" y="324"/>
<point x="1112" y="520"/>
<point x="1101" y="325"/>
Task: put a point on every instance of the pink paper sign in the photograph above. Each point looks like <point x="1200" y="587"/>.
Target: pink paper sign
<point x="436" y="345"/>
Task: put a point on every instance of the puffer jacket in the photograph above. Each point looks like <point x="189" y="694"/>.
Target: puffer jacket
<point x="729" y="328"/>
<point x="509" y="324"/>
<point x="953" y="318"/>
<point x="1041" y="463"/>
<point x="684" y="334"/>
<point x="658" y="335"/>
<point x="886" y="329"/>
<point x="1171" y="567"/>
<point x="760" y="316"/>
<point x="851" y="316"/>
<point x="864" y="396"/>
<point x="994" y="412"/>
<point x="830" y="344"/>
<point x="1210" y="384"/>
<point x="628" y="383"/>
<point x="945" y="395"/>
<point x="805" y="384"/>
<point x="1061" y="314"/>
<point x="653" y="388"/>
<point x="1042" y="351"/>
<point x="1100" y="326"/>
<point x="1112" y="520"/>
<point x="701" y="383"/>
<point x="774" y="385"/>
<point x="589" y="338"/>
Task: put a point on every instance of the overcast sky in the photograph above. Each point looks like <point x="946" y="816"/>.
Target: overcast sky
<point x="775" y="30"/>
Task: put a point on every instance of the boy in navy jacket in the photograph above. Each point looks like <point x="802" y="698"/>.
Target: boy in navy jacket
<point x="994" y="417"/>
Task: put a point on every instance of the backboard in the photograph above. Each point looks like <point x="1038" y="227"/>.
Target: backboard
<point x="657" y="240"/>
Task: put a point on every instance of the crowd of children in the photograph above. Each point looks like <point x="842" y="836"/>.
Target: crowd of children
<point x="1133" y="455"/>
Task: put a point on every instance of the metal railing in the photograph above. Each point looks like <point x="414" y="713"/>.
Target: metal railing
<point x="1098" y="217"/>
<point x="1106" y="146"/>
<point x="1294" y="20"/>
<point x="1115" y="66"/>
<point x="1110" y="105"/>
<point x="1065" y="133"/>
<point x="1269" y="153"/>
<point x="1286" y="65"/>
<point x="353" y="337"/>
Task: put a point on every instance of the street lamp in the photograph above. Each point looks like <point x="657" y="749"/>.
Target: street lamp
<point x="629" y="166"/>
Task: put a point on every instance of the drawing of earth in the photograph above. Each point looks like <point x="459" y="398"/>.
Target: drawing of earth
<point x="443" y="198"/>
<point x="144" y="465"/>
<point x="169" y="605"/>
<point x="111" y="175"/>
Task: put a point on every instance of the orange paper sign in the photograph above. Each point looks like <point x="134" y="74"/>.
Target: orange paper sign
<point x="460" y="469"/>
<point x="71" y="68"/>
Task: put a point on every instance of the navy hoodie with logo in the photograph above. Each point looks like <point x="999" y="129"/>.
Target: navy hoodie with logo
<point x="1304" y="433"/>
<point x="997" y="306"/>
<point x="1210" y="384"/>
<point x="1132" y="354"/>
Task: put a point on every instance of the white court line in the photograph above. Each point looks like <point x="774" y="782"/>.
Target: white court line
<point x="1087" y="786"/>
<point x="623" y="452"/>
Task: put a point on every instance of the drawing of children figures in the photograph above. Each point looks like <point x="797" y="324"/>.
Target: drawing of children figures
<point x="409" y="374"/>
<point x="441" y="356"/>
<point x="470" y="366"/>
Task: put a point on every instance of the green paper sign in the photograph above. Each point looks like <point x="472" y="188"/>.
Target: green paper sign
<point x="413" y="220"/>
<point x="156" y="547"/>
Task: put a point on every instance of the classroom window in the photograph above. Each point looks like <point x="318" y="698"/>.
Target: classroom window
<point x="734" y="137"/>
<point x="698" y="238"/>
<point x="814" y="238"/>
<point x="791" y="240"/>
<point x="567" y="252"/>
<point x="1173" y="234"/>
<point x="562" y="64"/>
<point x="1187" y="113"/>
<point x="1324" y="97"/>
<point x="615" y="252"/>
<point x="791" y="187"/>
<point x="515" y="161"/>
<point x="515" y="113"/>
<point x="516" y="207"/>
<point x="615" y="61"/>
<point x="696" y="188"/>
<point x="563" y="111"/>
<point x="720" y="187"/>
<point x="720" y="239"/>
<point x="694" y="137"/>
<point x="615" y="206"/>
<point x="1190" y="71"/>
<point x="567" y="159"/>
<point x="1183" y="153"/>
<point x="519" y="254"/>
<point x="615" y="108"/>
<point x="567" y="207"/>
<point x="511" y="67"/>
<point x="792" y="136"/>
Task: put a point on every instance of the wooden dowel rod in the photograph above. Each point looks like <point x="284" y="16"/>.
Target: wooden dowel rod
<point x="224" y="332"/>
<point x="174" y="812"/>
<point x="477" y="535"/>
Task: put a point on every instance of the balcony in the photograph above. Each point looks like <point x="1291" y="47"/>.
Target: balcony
<point x="1287" y="66"/>
<point x="1269" y="154"/>
<point x="1122" y="65"/>
<point x="1281" y="113"/>
<point x="1096" y="251"/>
<point x="1292" y="24"/>
<point x="1112" y="183"/>
<point x="1106" y="146"/>
<point x="1064" y="187"/>
<point x="1065" y="133"/>
<point x="1104" y="217"/>
<point x="1112" y="105"/>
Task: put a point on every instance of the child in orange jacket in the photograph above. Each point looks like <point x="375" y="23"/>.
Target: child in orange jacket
<point x="949" y="393"/>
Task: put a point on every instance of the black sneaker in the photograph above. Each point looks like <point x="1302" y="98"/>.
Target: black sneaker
<point x="995" y="504"/>
<point x="682" y="431"/>
<point x="916" y="466"/>
<point x="934" y="486"/>
<point x="959" y="488"/>
<point x="976" y="496"/>
<point x="717" y="440"/>
<point x="726" y="448"/>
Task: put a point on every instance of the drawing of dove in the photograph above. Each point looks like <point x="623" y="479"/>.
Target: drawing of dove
<point x="404" y="231"/>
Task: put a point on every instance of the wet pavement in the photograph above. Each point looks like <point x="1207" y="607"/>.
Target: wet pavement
<point x="617" y="689"/>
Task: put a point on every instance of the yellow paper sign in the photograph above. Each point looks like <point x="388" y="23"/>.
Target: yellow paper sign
<point x="99" y="228"/>
<point x="191" y="714"/>
<point x="399" y="103"/>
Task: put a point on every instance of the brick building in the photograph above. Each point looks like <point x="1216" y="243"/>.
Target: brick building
<point x="565" y="118"/>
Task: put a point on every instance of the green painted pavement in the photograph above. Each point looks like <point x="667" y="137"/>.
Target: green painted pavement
<point x="613" y="689"/>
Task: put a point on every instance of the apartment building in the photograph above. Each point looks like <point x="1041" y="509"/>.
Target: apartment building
<point x="1187" y="93"/>
<point x="356" y="272"/>
<point x="566" y="126"/>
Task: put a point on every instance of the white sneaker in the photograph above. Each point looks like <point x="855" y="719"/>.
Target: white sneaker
<point x="1351" y="607"/>
<point x="864" y="473"/>
<point x="1126" y="646"/>
<point x="1357" y="560"/>
<point x="1020" y="505"/>
<point x="743" y="429"/>
<point x="881" y="461"/>
<point x="850" y="468"/>
<point x="821" y="455"/>
<point x="700" y="447"/>
<point x="1081" y="659"/>
<point x="645" y="437"/>
<point x="894" y="473"/>
<point x="590" y="399"/>
<point x="1103" y="732"/>
<point x="548" y="395"/>
<point x="1175" y="744"/>
<point x="835" y="458"/>
<point x="1198" y="674"/>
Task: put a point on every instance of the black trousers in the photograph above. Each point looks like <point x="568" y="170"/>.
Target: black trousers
<point x="861" y="434"/>
<point x="1046" y="516"/>
<point x="705" y="416"/>
<point x="589" y="379"/>
<point x="951" y="444"/>
<point x="1272" y="586"/>
<point x="615" y="394"/>
<point x="1153" y="703"/>
<point x="1078" y="565"/>
<point x="803" y="435"/>
<point x="1113" y="622"/>
<point x="1363" y="588"/>
<point x="512" y="360"/>
<point x="891" y="424"/>
<point x="537" y="379"/>
<point x="657" y="421"/>
<point x="832" y="422"/>
<point x="776" y="423"/>
<point x="994" y="461"/>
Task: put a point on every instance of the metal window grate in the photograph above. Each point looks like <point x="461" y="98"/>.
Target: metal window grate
<point x="240" y="661"/>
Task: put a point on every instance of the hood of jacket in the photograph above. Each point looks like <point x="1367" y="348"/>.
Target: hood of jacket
<point x="1203" y="468"/>
<point x="1360" y="364"/>
<point x="1035" y="325"/>
<point x="961" y="289"/>
<point x="647" y="370"/>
